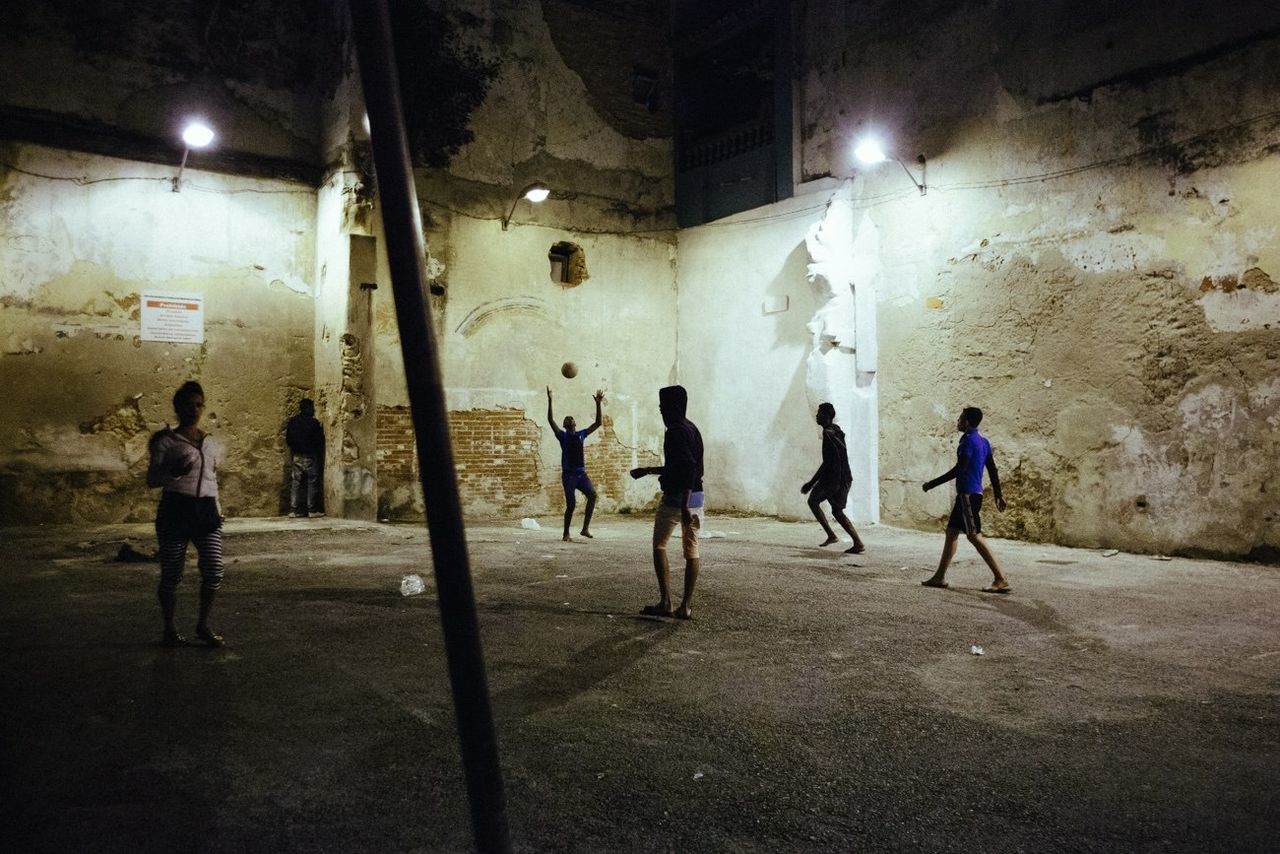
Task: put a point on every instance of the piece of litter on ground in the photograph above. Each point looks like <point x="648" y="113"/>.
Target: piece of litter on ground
<point x="610" y="616"/>
<point x="1161" y="557"/>
<point x="977" y="650"/>
<point x="600" y="776"/>
<point x="904" y="567"/>
<point x="698" y="775"/>
<point x="1111" y="553"/>
<point x="566" y="603"/>
<point x="530" y="524"/>
<point x="411" y="585"/>
<point x="128" y="554"/>
<point x="562" y="576"/>
<point x="713" y="535"/>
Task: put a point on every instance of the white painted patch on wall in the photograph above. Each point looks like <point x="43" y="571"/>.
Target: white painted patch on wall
<point x="1241" y="310"/>
<point x="1265" y="397"/>
<point x="1211" y="409"/>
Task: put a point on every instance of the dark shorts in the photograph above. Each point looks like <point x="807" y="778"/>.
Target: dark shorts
<point x="576" y="480"/>
<point x="185" y="517"/>
<point x="966" y="514"/>
<point x="836" y="494"/>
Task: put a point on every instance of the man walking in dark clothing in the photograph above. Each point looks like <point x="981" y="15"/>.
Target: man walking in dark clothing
<point x="305" y="438"/>
<point x="680" y="477"/>
<point x="832" y="480"/>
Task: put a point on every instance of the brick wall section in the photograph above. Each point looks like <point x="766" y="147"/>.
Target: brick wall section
<point x="609" y="463"/>
<point x="497" y="452"/>
<point x="397" y="460"/>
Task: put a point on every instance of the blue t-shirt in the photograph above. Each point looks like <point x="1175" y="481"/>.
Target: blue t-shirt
<point x="571" y="456"/>
<point x="971" y="459"/>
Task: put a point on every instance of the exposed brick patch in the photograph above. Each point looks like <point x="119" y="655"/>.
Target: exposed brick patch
<point x="609" y="463"/>
<point x="498" y="456"/>
<point x="495" y="452"/>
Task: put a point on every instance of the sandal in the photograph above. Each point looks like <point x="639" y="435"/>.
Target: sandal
<point x="211" y="639"/>
<point x="171" y="638"/>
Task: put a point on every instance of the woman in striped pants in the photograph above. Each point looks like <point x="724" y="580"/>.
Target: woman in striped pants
<point x="184" y="464"/>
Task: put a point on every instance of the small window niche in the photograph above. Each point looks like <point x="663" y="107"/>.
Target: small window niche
<point x="568" y="264"/>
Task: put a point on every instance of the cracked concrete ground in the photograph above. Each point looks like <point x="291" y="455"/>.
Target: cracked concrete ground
<point x="817" y="701"/>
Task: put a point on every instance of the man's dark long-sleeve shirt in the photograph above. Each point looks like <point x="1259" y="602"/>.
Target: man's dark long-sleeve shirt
<point x="834" y="473"/>
<point x="304" y="435"/>
<point x="681" y="460"/>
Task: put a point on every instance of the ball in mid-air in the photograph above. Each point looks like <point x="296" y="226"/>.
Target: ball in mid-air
<point x="569" y="370"/>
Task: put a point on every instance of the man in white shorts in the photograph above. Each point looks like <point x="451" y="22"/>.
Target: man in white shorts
<point x="680" y="477"/>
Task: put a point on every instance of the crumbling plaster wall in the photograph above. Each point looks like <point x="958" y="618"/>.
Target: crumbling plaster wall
<point x="504" y="326"/>
<point x="81" y="237"/>
<point x="1097" y="271"/>
<point x="143" y="68"/>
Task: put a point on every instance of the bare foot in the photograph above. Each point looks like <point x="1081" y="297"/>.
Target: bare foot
<point x="855" y="549"/>
<point x="566" y="538"/>
<point x="660" y="610"/>
<point x="828" y="541"/>
<point x="586" y="534"/>
<point x="934" y="582"/>
<point x="684" y="612"/>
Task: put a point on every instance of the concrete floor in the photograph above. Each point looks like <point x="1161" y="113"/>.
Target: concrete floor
<point x="817" y="702"/>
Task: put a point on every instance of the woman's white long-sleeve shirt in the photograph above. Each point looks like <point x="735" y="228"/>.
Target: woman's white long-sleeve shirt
<point x="169" y="449"/>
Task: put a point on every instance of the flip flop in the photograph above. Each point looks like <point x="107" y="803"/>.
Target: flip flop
<point x="655" y="611"/>
<point x="940" y="585"/>
<point x="997" y="590"/>
<point x="210" y="638"/>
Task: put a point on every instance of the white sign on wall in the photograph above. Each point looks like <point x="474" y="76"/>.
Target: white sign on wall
<point x="173" y="317"/>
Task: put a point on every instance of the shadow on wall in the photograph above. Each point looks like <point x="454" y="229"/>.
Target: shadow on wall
<point x="792" y="424"/>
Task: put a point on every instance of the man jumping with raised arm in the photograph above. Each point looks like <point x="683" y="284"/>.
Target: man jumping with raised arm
<point x="680" y="477"/>
<point x="573" y="465"/>
<point x="973" y="455"/>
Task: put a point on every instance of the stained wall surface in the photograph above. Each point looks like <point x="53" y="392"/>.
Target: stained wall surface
<point x="1095" y="264"/>
<point x="81" y="238"/>
<point x="504" y="325"/>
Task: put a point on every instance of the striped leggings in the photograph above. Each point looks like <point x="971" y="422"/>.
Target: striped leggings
<point x="173" y="559"/>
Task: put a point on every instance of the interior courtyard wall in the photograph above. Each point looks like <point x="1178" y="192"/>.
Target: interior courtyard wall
<point x="503" y="325"/>
<point x="744" y="309"/>
<point x="1094" y="264"/>
<point x="81" y="237"/>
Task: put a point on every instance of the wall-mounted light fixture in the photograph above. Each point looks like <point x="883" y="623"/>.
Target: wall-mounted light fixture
<point x="535" y="192"/>
<point x="196" y="134"/>
<point x="870" y="151"/>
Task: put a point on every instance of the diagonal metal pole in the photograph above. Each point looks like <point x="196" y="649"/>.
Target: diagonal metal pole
<point x="402" y="222"/>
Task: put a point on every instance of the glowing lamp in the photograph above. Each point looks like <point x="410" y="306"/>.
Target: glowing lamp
<point x="535" y="193"/>
<point x="870" y="151"/>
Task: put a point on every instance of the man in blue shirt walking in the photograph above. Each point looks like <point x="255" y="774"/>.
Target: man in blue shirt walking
<point x="973" y="455"/>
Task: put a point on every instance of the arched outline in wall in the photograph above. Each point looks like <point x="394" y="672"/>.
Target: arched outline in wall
<point x="483" y="313"/>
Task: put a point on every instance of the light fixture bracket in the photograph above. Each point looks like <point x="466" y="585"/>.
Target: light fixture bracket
<point x="544" y="192"/>
<point x="920" y="185"/>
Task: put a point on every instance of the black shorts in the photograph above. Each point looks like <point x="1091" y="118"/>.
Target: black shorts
<point x="966" y="514"/>
<point x="185" y="517"/>
<point x="834" y="493"/>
